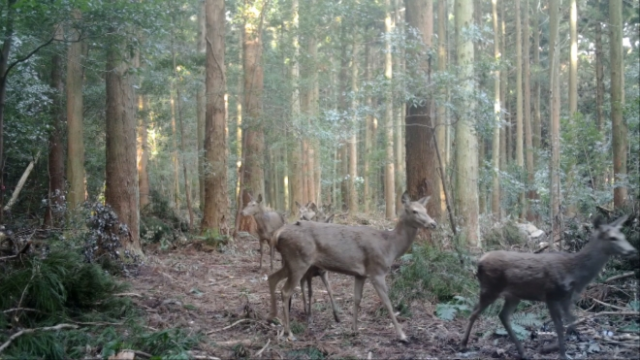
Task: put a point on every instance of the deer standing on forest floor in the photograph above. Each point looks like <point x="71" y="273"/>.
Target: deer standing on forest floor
<point x="268" y="222"/>
<point x="555" y="278"/>
<point x="360" y="251"/>
<point x="310" y="212"/>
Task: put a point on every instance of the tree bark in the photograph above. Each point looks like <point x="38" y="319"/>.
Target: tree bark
<point x="519" y="99"/>
<point x="121" y="191"/>
<point x="353" y="142"/>
<point x="389" y="172"/>
<point x="442" y="123"/>
<point x="573" y="61"/>
<point x="215" y="189"/>
<point x="201" y="105"/>
<point x="497" y="113"/>
<point x="55" y="205"/>
<point x="143" y="153"/>
<point x="528" y="136"/>
<point x="421" y="160"/>
<point x="618" y="125"/>
<point x="598" y="180"/>
<point x="537" y="120"/>
<point x="466" y="139"/>
<point x="75" y="143"/>
<point x="368" y="139"/>
<point x="554" y="122"/>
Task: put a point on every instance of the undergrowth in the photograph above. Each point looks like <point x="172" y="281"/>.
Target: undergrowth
<point x="61" y="288"/>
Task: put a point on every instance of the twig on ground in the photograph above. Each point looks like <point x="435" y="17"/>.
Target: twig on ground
<point x="602" y="313"/>
<point x="607" y="304"/>
<point x="618" y="277"/>
<point x="142" y="354"/>
<point x="8" y="257"/>
<point x="28" y="331"/>
<point x="228" y="327"/>
<point x="97" y="323"/>
<point x="19" y="309"/>
<point x="541" y="249"/>
<point x="259" y="353"/>
<point x="228" y="343"/>
<point x="128" y="294"/>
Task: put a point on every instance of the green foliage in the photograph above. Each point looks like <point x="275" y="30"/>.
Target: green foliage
<point x="459" y="306"/>
<point x="432" y="274"/>
<point x="518" y="323"/>
<point x="503" y="236"/>
<point x="213" y="238"/>
<point x="308" y="353"/>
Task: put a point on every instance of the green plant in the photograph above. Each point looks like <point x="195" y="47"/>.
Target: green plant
<point x="448" y="311"/>
<point x="518" y="323"/>
<point x="310" y="353"/>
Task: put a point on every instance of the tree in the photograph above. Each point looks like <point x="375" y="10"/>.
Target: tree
<point x="75" y="142"/>
<point x="215" y="193"/>
<point x="423" y="176"/>
<point x="295" y="148"/>
<point x="497" y="113"/>
<point x="143" y="152"/>
<point x="618" y="125"/>
<point x="201" y="103"/>
<point x="352" y="144"/>
<point x="526" y="109"/>
<point x="466" y="152"/>
<point x="389" y="172"/>
<point x="442" y="123"/>
<point x="554" y="122"/>
<point x="121" y="191"/>
<point x="573" y="60"/>
<point x="519" y="90"/>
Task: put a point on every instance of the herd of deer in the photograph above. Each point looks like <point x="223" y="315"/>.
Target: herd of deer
<point x="314" y="245"/>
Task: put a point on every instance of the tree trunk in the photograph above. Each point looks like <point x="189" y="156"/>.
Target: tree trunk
<point x="143" y="153"/>
<point x="618" y="125"/>
<point x="201" y="105"/>
<point x="75" y="143"/>
<point x="497" y="113"/>
<point x="466" y="140"/>
<point x="519" y="99"/>
<point x="554" y="122"/>
<point x="121" y="191"/>
<point x="389" y="172"/>
<point x="528" y="136"/>
<point x="598" y="180"/>
<point x="353" y="154"/>
<point x="253" y="136"/>
<point x="536" y="135"/>
<point x="310" y="105"/>
<point x="573" y="71"/>
<point x="421" y="161"/>
<point x="504" y="83"/>
<point x="55" y="204"/>
<point x="215" y="188"/>
<point x="368" y="131"/>
<point x="442" y="123"/>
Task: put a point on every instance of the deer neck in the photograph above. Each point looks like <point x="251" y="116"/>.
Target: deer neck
<point x="404" y="235"/>
<point x="587" y="263"/>
<point x="260" y="219"/>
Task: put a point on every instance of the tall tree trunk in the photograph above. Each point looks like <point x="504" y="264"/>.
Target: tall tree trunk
<point x="421" y="160"/>
<point x="554" y="122"/>
<point x="187" y="189"/>
<point x="295" y="149"/>
<point x="352" y="145"/>
<point x="519" y="99"/>
<point x="618" y="125"/>
<point x="253" y="136"/>
<point x="215" y="188"/>
<point x="121" y="191"/>
<point x="497" y="113"/>
<point x="174" y="153"/>
<point x="399" y="112"/>
<point x="537" y="120"/>
<point x="528" y="136"/>
<point x="466" y="139"/>
<point x="598" y="180"/>
<point x="309" y="110"/>
<point x="368" y="138"/>
<point x="573" y="61"/>
<point x="442" y="123"/>
<point x="201" y="105"/>
<point x="504" y="83"/>
<point x="55" y="205"/>
<point x="389" y="172"/>
<point x="75" y="143"/>
<point x="143" y="152"/>
<point x="342" y="110"/>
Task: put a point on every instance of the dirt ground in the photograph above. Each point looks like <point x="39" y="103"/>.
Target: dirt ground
<point x="224" y="296"/>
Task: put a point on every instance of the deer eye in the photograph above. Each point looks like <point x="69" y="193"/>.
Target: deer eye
<point x="415" y="212"/>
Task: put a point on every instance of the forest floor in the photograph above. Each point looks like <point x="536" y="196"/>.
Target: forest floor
<point x="226" y="297"/>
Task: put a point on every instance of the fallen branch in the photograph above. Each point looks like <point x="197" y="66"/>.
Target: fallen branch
<point x="230" y="343"/>
<point x="607" y="304"/>
<point x="621" y="276"/>
<point x="23" y="179"/>
<point x="228" y="327"/>
<point x="19" y="309"/>
<point x="602" y="313"/>
<point x="8" y="257"/>
<point x="541" y="249"/>
<point x="128" y="294"/>
<point x="259" y="353"/>
<point x="98" y="324"/>
<point x="29" y="331"/>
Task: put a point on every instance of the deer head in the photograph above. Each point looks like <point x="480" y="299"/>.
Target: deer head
<point x="610" y="239"/>
<point x="253" y="206"/>
<point x="415" y="212"/>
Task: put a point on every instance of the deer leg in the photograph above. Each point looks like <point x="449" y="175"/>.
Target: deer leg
<point x="304" y="299"/>
<point x="287" y="291"/>
<point x="381" y="288"/>
<point x="486" y="298"/>
<point x="510" y="304"/>
<point x="357" y="296"/>
<point x="555" y="310"/>
<point x="272" y="253"/>
<point x="308" y="305"/>
<point x="274" y="279"/>
<point x="325" y="280"/>
<point x="570" y="318"/>
<point x="261" y="244"/>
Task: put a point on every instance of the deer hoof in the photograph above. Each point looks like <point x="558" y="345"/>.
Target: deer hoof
<point x="403" y="338"/>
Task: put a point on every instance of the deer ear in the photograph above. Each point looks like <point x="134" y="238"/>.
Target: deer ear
<point x="406" y="199"/>
<point x="424" y="200"/>
<point x="298" y="204"/>
<point x="313" y="206"/>
<point x="329" y="219"/>
<point x="259" y="198"/>
<point x="618" y="222"/>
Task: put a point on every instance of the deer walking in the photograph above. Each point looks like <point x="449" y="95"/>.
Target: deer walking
<point x="360" y="251"/>
<point x="555" y="278"/>
<point x="268" y="222"/>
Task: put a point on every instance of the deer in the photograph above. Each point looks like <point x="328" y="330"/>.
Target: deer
<point x="359" y="251"/>
<point x="268" y="222"/>
<point x="555" y="278"/>
<point x="308" y="212"/>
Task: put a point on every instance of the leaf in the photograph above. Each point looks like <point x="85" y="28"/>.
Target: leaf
<point x="446" y="311"/>
<point x="634" y="305"/>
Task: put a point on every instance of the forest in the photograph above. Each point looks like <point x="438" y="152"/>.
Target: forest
<point x="154" y="154"/>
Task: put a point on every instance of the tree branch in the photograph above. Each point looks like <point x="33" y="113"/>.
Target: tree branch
<point x="28" y="331"/>
<point x="25" y="58"/>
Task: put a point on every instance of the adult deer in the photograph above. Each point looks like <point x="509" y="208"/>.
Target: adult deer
<point x="555" y="278"/>
<point x="360" y="251"/>
<point x="268" y="222"/>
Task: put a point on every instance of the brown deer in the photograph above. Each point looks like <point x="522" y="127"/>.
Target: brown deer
<point x="312" y="212"/>
<point x="360" y="251"/>
<point x="268" y="222"/>
<point x="555" y="278"/>
<point x="307" y="212"/>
